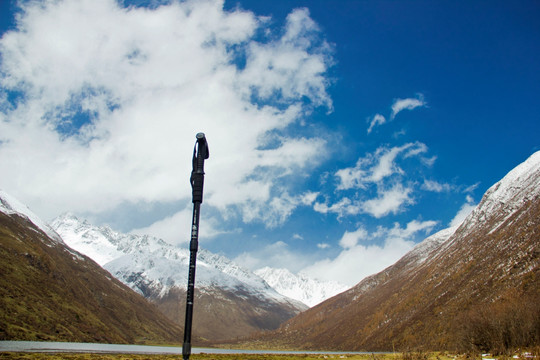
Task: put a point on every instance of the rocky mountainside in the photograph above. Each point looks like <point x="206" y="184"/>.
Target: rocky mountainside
<point x="51" y="292"/>
<point x="230" y="301"/>
<point x="300" y="286"/>
<point x="474" y="287"/>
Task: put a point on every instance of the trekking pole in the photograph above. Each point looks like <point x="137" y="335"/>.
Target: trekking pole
<point x="200" y="153"/>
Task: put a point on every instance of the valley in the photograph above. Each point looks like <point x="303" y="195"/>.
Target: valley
<point x="470" y="288"/>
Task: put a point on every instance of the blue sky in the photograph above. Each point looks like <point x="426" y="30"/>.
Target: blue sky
<point x="341" y="132"/>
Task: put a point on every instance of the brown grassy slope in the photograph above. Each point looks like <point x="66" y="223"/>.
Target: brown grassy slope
<point x="49" y="292"/>
<point x="427" y="305"/>
<point x="222" y="314"/>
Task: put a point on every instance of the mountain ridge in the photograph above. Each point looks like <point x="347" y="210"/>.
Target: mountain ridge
<point x="224" y="291"/>
<point x="10" y="205"/>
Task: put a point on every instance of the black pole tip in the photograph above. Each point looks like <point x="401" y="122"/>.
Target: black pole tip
<point x="200" y="136"/>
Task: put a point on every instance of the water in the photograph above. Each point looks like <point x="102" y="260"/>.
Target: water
<point x="39" y="346"/>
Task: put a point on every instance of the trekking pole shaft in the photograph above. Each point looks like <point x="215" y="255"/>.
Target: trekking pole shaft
<point x="193" y="247"/>
<point x="200" y="153"/>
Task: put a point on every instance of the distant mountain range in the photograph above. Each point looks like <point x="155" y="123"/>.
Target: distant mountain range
<point x="49" y="291"/>
<point x="301" y="287"/>
<point x="474" y="287"/>
<point x="230" y="301"/>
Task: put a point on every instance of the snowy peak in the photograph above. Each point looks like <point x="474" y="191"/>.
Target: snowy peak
<point x="156" y="264"/>
<point x="300" y="287"/>
<point x="100" y="244"/>
<point x="507" y="196"/>
<point x="103" y="244"/>
<point x="10" y="205"/>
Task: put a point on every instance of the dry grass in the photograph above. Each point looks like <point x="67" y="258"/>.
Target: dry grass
<point x="386" y="356"/>
<point x="70" y="356"/>
<point x="414" y="355"/>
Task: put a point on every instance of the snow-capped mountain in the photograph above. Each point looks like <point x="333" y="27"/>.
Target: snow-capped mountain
<point x="51" y="292"/>
<point x="159" y="263"/>
<point x="159" y="271"/>
<point x="301" y="287"/>
<point x="10" y="205"/>
<point x="455" y="290"/>
<point x="508" y="196"/>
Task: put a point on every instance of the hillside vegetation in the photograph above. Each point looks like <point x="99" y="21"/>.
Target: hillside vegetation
<point x="49" y="292"/>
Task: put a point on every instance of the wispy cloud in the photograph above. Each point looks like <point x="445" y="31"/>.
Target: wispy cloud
<point x="388" y="201"/>
<point x="407" y="104"/>
<point x="277" y="255"/>
<point x="464" y="211"/>
<point x="362" y="256"/>
<point x="435" y="186"/>
<point x="380" y="175"/>
<point x="397" y="106"/>
<point x="471" y="188"/>
<point x="375" y="167"/>
<point x="376" y="120"/>
<point x="350" y="239"/>
<point x="343" y="207"/>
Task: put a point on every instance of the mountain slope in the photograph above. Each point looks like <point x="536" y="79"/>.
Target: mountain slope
<point x="50" y="292"/>
<point x="9" y="205"/>
<point x="485" y="272"/>
<point x="230" y="301"/>
<point x="300" y="287"/>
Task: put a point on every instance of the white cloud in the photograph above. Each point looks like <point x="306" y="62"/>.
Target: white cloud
<point x="386" y="165"/>
<point x="176" y="229"/>
<point x="309" y="197"/>
<point x="378" y="166"/>
<point x="463" y="212"/>
<point x="435" y="186"/>
<point x="350" y="239"/>
<point x="397" y="106"/>
<point x="377" y="120"/>
<point x="352" y="177"/>
<point x="415" y="149"/>
<point x="407" y="104"/>
<point x="411" y="229"/>
<point x="471" y="188"/>
<point x="363" y="253"/>
<point x="379" y="170"/>
<point x="145" y="82"/>
<point x="388" y="201"/>
<point x="358" y="260"/>
<point x="274" y="211"/>
<point x="354" y="264"/>
<point x="274" y="68"/>
<point x="343" y="207"/>
<point x="276" y="255"/>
